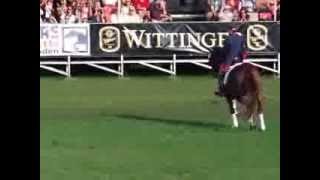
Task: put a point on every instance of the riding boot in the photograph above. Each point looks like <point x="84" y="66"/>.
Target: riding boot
<point x="219" y="92"/>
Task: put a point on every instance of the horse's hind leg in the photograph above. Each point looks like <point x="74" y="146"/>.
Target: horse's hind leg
<point x="233" y="110"/>
<point x="260" y="115"/>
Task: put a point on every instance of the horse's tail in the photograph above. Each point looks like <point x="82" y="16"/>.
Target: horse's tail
<point x="255" y="98"/>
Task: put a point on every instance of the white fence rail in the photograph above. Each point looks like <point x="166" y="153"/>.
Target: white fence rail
<point x="150" y="63"/>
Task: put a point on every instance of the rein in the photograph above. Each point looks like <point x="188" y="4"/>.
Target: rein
<point x="225" y="79"/>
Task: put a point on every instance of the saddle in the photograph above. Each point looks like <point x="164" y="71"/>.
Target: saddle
<point x="226" y="76"/>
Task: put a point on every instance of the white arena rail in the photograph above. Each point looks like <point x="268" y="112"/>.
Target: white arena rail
<point x="150" y="63"/>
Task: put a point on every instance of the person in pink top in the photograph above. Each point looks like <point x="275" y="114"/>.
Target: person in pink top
<point x="109" y="7"/>
<point x="265" y="14"/>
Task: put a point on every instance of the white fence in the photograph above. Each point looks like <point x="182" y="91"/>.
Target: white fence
<point x="102" y="64"/>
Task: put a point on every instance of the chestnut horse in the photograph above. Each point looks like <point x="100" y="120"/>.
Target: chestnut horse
<point x="242" y="91"/>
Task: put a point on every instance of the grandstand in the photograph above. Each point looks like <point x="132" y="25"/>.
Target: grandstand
<point x="157" y="34"/>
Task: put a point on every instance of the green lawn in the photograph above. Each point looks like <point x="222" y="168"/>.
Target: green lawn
<point x="152" y="128"/>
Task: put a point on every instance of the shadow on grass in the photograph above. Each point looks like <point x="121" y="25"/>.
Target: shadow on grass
<point x="215" y="101"/>
<point x="200" y="124"/>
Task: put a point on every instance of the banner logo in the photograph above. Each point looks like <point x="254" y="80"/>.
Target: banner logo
<point x="109" y="39"/>
<point x="75" y="40"/>
<point x="257" y="37"/>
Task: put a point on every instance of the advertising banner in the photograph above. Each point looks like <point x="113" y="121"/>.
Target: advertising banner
<point x="64" y="40"/>
<point x="187" y="39"/>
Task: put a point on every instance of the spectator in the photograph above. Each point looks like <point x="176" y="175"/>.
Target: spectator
<point x="104" y="11"/>
<point x="48" y="9"/>
<point x="272" y="7"/>
<point x="127" y="14"/>
<point x="109" y="7"/>
<point x="86" y="11"/>
<point x="42" y="3"/>
<point x="125" y="6"/>
<point x="158" y="11"/>
<point x="41" y="15"/>
<point x="211" y="10"/>
<point x="248" y="4"/>
<point x="278" y="10"/>
<point x="243" y="15"/>
<point x="73" y="3"/>
<point x="226" y="14"/>
<point x="134" y="17"/>
<point x="265" y="14"/>
<point x="109" y="2"/>
<point x="51" y="19"/>
<point x="234" y="4"/>
<point x="97" y="8"/>
<point x="98" y="17"/>
<point x="70" y="18"/>
<point x="261" y="3"/>
<point x="60" y="15"/>
<point x="142" y="7"/>
<point x="77" y="13"/>
<point x="131" y="17"/>
<point x="235" y="14"/>
<point x="63" y="5"/>
<point x="97" y="14"/>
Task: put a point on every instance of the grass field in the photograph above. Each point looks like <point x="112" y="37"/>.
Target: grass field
<point x="152" y="128"/>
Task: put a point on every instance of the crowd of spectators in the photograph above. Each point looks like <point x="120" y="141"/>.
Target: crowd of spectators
<point x="243" y="10"/>
<point x="137" y="11"/>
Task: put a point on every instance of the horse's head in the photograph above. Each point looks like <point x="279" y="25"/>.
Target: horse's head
<point x="216" y="56"/>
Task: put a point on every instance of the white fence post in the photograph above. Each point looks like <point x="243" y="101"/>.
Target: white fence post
<point x="120" y="67"/>
<point x="68" y="67"/>
<point x="279" y="65"/>
<point x="174" y="64"/>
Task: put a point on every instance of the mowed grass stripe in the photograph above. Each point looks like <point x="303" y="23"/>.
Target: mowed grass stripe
<point x="151" y="128"/>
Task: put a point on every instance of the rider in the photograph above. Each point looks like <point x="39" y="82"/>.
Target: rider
<point x="235" y="51"/>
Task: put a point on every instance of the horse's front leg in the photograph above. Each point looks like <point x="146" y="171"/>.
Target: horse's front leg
<point x="233" y="110"/>
<point x="251" y="122"/>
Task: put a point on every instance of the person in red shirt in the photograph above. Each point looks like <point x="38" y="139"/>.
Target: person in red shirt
<point x="233" y="3"/>
<point x="141" y="7"/>
<point x="141" y="4"/>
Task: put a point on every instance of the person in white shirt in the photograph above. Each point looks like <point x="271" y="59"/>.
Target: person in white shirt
<point x="41" y="14"/>
<point x="133" y="16"/>
<point x="109" y="2"/>
<point x="226" y="14"/>
<point x="48" y="10"/>
<point x="70" y="18"/>
<point x="128" y="17"/>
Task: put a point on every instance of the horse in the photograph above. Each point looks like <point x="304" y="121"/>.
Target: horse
<point x="242" y="91"/>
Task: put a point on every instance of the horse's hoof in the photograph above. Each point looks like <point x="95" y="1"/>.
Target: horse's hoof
<point x="235" y="127"/>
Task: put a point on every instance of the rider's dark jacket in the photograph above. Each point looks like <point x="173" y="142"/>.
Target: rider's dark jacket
<point x="234" y="49"/>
